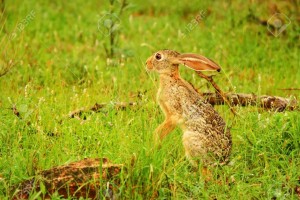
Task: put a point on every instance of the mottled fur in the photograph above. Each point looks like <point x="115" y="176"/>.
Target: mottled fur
<point x="205" y="136"/>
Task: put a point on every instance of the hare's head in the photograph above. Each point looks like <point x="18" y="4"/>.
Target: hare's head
<point x="162" y="61"/>
<point x="167" y="61"/>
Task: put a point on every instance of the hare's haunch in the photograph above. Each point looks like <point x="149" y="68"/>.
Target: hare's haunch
<point x="205" y="136"/>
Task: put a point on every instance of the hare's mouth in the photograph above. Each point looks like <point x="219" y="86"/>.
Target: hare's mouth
<point x="149" y="65"/>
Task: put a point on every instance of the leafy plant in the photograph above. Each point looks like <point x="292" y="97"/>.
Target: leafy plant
<point x="109" y="26"/>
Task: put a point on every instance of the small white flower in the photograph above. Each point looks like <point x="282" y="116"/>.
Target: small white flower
<point x="26" y="90"/>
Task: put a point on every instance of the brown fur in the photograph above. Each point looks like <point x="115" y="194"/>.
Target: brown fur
<point x="205" y="136"/>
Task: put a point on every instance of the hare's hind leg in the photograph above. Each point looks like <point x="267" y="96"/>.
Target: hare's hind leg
<point x="194" y="148"/>
<point x="196" y="154"/>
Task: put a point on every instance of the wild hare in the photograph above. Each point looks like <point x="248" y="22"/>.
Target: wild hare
<point x="205" y="136"/>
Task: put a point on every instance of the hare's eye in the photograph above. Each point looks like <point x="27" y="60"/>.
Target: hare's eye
<point x="158" y="56"/>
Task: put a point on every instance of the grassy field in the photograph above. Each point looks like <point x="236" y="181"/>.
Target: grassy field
<point x="60" y="65"/>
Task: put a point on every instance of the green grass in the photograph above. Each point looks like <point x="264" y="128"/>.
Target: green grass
<point x="61" y="66"/>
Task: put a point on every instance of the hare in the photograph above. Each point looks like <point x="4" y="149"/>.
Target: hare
<point x="205" y="136"/>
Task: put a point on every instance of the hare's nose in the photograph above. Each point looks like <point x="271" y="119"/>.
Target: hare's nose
<point x="149" y="64"/>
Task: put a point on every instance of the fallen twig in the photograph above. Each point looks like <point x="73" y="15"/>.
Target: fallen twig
<point x="97" y="107"/>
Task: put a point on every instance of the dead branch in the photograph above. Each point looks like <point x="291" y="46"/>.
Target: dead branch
<point x="274" y="103"/>
<point x="88" y="178"/>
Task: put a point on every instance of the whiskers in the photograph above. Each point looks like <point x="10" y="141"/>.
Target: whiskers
<point x="142" y="63"/>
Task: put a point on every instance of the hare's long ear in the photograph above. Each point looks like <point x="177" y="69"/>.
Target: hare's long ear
<point x="197" y="62"/>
